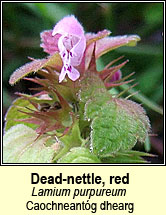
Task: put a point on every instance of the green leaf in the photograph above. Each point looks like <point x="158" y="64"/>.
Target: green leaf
<point x="13" y="114"/>
<point x="142" y="98"/>
<point x="72" y="139"/>
<point x="91" y="89"/>
<point x="19" y="146"/>
<point x="126" y="157"/>
<point x="92" y="95"/>
<point x="118" y="126"/>
<point x="79" y="155"/>
<point x="92" y="86"/>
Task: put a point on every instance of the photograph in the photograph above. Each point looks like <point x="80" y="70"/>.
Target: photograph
<point x="83" y="83"/>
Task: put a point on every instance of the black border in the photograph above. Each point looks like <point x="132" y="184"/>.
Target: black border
<point x="67" y="164"/>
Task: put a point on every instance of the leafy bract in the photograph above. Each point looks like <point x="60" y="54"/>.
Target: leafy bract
<point x="91" y="37"/>
<point x="116" y="124"/>
<point x="20" y="146"/>
<point x="126" y="157"/>
<point x="110" y="43"/>
<point x="92" y="86"/>
<point x="139" y="117"/>
<point x="36" y="65"/>
<point x="71" y="139"/>
<point x="92" y="90"/>
<point x="13" y="114"/>
<point x="79" y="155"/>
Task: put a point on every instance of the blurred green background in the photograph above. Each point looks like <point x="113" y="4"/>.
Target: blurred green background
<point x="23" y="22"/>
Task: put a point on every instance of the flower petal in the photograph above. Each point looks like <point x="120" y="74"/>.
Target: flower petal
<point x="117" y="76"/>
<point x="49" y="42"/>
<point x="71" y="44"/>
<point x="70" y="25"/>
<point x="63" y="74"/>
<point x="87" y="57"/>
<point x="78" y="50"/>
<point x="73" y="74"/>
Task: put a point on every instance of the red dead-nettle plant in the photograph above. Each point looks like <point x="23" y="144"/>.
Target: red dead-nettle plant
<point x="73" y="117"/>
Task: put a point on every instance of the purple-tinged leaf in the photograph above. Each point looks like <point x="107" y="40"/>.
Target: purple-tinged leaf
<point x="52" y="61"/>
<point x="110" y="43"/>
<point x="91" y="37"/>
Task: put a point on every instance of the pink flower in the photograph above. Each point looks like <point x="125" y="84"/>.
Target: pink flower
<point x="49" y="43"/>
<point x="71" y="44"/>
<point x="69" y="40"/>
<point x="117" y="76"/>
<point x="76" y="48"/>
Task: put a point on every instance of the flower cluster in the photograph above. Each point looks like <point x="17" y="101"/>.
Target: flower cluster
<point x="73" y="102"/>
<point x="68" y="36"/>
<point x="72" y="54"/>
